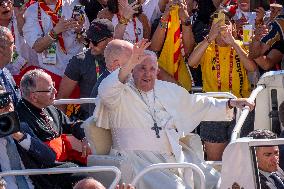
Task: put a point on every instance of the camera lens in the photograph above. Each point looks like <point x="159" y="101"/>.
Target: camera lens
<point x="5" y="125"/>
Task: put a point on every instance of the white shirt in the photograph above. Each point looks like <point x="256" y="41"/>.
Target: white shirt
<point x="120" y="108"/>
<point x="32" y="32"/>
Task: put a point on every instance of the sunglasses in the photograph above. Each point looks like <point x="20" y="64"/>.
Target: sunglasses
<point x="4" y="100"/>
<point x="95" y="43"/>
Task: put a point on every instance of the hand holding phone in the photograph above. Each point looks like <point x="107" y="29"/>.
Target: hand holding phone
<point x="78" y="13"/>
<point x="220" y="16"/>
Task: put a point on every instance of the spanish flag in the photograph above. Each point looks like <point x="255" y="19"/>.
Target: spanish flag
<point x="171" y="59"/>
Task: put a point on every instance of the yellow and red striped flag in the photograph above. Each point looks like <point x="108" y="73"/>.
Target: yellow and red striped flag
<point x="171" y="59"/>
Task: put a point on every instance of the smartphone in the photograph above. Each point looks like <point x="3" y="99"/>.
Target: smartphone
<point x="131" y="1"/>
<point x="254" y="4"/>
<point x="19" y="3"/>
<point x="219" y="16"/>
<point x="78" y="12"/>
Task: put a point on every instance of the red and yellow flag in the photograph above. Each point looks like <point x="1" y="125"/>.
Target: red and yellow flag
<point x="171" y="59"/>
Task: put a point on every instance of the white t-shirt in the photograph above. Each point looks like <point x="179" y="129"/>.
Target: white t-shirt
<point x="129" y="34"/>
<point x="32" y="31"/>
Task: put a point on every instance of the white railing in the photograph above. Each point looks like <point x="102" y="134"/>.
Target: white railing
<point x="170" y="166"/>
<point x="244" y="113"/>
<point x="67" y="170"/>
<point x="75" y="101"/>
<point x="222" y="95"/>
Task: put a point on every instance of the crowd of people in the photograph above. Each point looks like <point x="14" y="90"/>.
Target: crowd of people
<point x="141" y="59"/>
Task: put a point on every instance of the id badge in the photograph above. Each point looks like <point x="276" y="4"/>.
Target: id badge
<point x="49" y="55"/>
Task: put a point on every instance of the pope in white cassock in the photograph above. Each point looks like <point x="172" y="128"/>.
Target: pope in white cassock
<point x="147" y="117"/>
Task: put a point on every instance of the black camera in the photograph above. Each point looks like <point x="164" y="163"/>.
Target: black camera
<point x="9" y="121"/>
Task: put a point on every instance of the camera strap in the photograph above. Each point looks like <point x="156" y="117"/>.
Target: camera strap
<point x="15" y="162"/>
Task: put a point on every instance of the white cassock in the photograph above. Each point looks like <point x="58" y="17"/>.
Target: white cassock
<point x="131" y="114"/>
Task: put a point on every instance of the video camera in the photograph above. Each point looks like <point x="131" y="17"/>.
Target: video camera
<point x="9" y="121"/>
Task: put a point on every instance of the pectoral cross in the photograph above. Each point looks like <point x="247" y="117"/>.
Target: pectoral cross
<point x="157" y="129"/>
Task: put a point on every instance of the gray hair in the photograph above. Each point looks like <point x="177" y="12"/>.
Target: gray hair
<point x="152" y="55"/>
<point x="4" y="32"/>
<point x="28" y="81"/>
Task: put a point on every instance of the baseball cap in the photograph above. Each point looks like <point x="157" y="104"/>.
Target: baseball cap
<point x="99" y="30"/>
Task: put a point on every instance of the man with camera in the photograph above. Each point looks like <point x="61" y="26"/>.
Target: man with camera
<point x="10" y="135"/>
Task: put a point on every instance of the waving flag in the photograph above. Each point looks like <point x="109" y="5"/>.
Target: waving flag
<point x="171" y="59"/>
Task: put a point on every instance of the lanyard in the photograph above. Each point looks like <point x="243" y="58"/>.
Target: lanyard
<point x="135" y="29"/>
<point x="54" y="18"/>
<point x="97" y="69"/>
<point x="13" y="28"/>
<point x="218" y="68"/>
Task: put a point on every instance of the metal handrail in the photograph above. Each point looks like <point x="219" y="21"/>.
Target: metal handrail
<point x="67" y="170"/>
<point x="170" y="166"/>
<point x="75" y="101"/>
<point x="244" y="113"/>
<point x="222" y="95"/>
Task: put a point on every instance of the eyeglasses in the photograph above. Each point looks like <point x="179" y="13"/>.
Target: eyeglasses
<point x="4" y="100"/>
<point x="95" y="43"/>
<point x="49" y="90"/>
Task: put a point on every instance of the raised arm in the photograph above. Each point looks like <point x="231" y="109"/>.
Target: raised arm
<point x="126" y="12"/>
<point x="247" y="62"/>
<point x="111" y="88"/>
<point x="196" y="55"/>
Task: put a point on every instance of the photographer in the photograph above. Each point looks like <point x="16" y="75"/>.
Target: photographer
<point x="14" y="142"/>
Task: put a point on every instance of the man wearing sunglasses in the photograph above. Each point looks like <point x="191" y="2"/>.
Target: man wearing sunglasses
<point x="85" y="68"/>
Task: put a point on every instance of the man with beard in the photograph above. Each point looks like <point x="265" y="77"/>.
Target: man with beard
<point x="85" y="68"/>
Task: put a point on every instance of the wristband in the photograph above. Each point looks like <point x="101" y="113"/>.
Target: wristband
<point x="163" y="25"/>
<point x="23" y="138"/>
<point x="123" y="21"/>
<point x="52" y="34"/>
